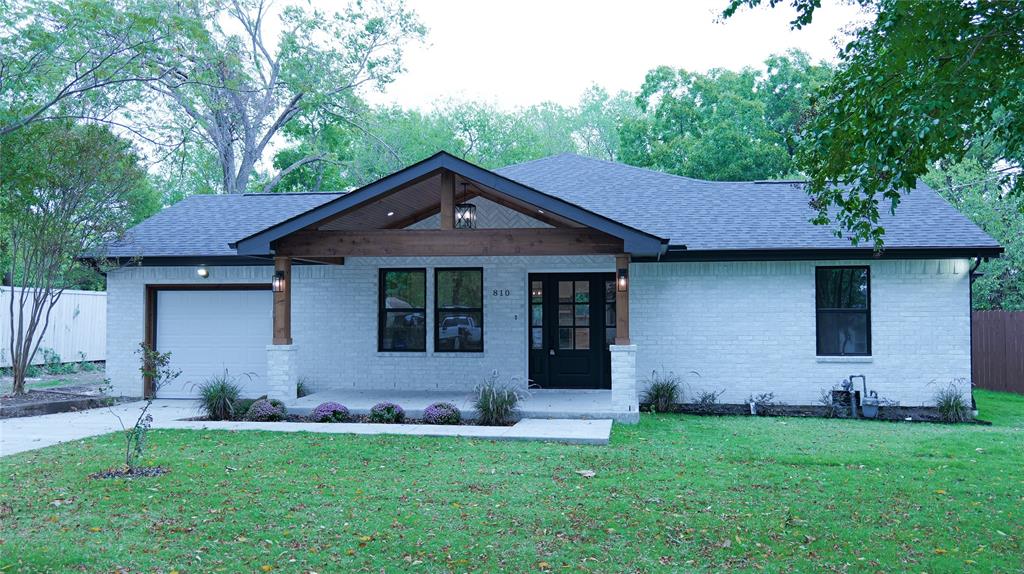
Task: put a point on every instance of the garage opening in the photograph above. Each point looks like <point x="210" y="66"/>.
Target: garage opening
<point x="210" y="329"/>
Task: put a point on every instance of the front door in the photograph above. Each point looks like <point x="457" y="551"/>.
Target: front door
<point x="572" y="322"/>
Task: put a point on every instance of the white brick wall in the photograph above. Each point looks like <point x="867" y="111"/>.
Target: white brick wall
<point x="334" y="321"/>
<point x="746" y="327"/>
<point x="749" y="328"/>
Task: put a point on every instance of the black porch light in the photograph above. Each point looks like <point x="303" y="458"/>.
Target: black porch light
<point x="622" y="279"/>
<point x="465" y="216"/>
<point x="278" y="283"/>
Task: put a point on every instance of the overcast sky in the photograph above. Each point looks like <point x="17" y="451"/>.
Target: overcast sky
<point x="529" y="51"/>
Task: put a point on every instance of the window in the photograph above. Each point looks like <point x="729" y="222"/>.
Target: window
<point x="843" y="296"/>
<point x="403" y="310"/>
<point x="574" y="315"/>
<point x="459" y="310"/>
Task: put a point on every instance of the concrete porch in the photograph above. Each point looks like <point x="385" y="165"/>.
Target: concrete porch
<point x="540" y="404"/>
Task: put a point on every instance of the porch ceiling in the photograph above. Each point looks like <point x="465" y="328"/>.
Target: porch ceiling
<point x="422" y="199"/>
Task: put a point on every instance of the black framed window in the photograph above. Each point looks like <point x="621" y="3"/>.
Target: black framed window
<point x="459" y="310"/>
<point x="402" y="316"/>
<point x="843" y="301"/>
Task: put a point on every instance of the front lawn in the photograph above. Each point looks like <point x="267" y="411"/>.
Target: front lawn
<point x="674" y="493"/>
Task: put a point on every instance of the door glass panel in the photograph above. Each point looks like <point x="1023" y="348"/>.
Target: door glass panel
<point x="565" y="315"/>
<point x="536" y="338"/>
<point x="609" y="336"/>
<point x="536" y="291"/>
<point x="583" y="338"/>
<point x="609" y="291"/>
<point x="582" y="291"/>
<point x="565" y="291"/>
<point x="565" y="338"/>
<point x="537" y="315"/>
<point x="582" y="315"/>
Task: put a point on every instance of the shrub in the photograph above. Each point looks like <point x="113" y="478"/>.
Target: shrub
<point x="302" y="388"/>
<point x="952" y="406"/>
<point x="329" y="412"/>
<point x="218" y="395"/>
<point x="662" y="392"/>
<point x="264" y="410"/>
<point x="763" y="403"/>
<point x="241" y="407"/>
<point x="496" y="402"/>
<point x="707" y="400"/>
<point x="388" y="413"/>
<point x="442" y="414"/>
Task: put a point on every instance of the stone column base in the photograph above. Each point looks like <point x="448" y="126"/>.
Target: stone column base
<point x="624" y="385"/>
<point x="282" y="372"/>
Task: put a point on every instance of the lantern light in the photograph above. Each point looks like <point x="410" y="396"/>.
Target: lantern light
<point x="278" y="282"/>
<point x="622" y="279"/>
<point x="465" y="216"/>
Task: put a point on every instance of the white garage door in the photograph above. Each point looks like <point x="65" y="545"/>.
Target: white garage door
<point x="207" y="332"/>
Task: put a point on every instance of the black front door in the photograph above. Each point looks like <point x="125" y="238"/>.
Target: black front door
<point x="572" y="322"/>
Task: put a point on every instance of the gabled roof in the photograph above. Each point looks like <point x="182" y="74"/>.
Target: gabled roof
<point x="710" y="220"/>
<point x="719" y="216"/>
<point x="634" y="239"/>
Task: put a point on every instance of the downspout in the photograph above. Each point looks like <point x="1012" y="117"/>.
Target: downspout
<point x="970" y="322"/>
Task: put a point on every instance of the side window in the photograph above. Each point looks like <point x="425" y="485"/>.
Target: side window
<point x="402" y="314"/>
<point x="843" y="302"/>
<point x="459" y="310"/>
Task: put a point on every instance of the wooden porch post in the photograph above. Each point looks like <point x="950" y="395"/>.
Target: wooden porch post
<point x="622" y="301"/>
<point x="447" y="200"/>
<point x="283" y="303"/>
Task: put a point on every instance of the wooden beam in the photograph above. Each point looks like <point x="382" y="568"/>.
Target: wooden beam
<point x="528" y="211"/>
<point x="447" y="200"/>
<point x="622" y="302"/>
<point x="425" y="213"/>
<point x="323" y="260"/>
<point x="440" y="242"/>
<point x="283" y="303"/>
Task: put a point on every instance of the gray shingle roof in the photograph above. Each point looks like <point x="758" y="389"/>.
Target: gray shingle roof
<point x="203" y="225"/>
<point x="702" y="215"/>
<point x="715" y="215"/>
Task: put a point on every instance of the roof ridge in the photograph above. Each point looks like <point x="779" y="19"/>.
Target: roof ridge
<point x="257" y="193"/>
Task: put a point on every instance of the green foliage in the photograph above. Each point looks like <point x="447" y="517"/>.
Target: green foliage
<point x="923" y="82"/>
<point x="972" y="186"/>
<point x="663" y="392"/>
<point x="496" y="402"/>
<point x="953" y="407"/>
<point x="722" y="125"/>
<point x="218" y="396"/>
<point x="302" y="387"/>
<point x="811" y="495"/>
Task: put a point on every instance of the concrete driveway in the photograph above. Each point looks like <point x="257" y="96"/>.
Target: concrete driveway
<point x="29" y="433"/>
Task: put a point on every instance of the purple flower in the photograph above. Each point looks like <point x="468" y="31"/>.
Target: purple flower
<point x="386" y="413"/>
<point x="263" y="411"/>
<point x="442" y="414"/>
<point x="329" y="412"/>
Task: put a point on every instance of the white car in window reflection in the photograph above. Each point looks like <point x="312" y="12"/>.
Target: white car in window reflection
<point x="459" y="332"/>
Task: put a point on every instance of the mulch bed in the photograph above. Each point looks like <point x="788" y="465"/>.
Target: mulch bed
<point x="130" y="473"/>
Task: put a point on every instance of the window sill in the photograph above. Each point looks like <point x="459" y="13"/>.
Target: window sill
<point x="845" y="359"/>
<point x="401" y="353"/>
<point x="458" y="354"/>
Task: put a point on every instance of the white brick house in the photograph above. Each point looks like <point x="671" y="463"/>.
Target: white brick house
<point x="573" y="273"/>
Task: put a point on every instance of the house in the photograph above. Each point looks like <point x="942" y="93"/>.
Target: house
<point x="568" y="272"/>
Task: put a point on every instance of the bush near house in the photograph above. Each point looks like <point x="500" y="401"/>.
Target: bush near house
<point x="442" y="414"/>
<point x="264" y="410"/>
<point x="329" y="412"/>
<point x="386" y="412"/>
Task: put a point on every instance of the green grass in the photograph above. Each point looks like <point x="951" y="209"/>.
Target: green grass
<point x="674" y="493"/>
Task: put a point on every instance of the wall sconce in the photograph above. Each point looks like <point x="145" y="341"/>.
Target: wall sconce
<point x="278" y="283"/>
<point x="465" y="216"/>
<point x="202" y="272"/>
<point x="622" y="279"/>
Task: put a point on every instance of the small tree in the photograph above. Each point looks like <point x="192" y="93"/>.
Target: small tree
<point x="65" y="191"/>
<point x="156" y="368"/>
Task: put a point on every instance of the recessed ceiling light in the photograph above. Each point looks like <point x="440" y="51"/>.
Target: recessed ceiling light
<point x="390" y="213"/>
<point x="540" y="211"/>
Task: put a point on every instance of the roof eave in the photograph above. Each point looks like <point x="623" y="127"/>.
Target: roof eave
<point x="680" y="253"/>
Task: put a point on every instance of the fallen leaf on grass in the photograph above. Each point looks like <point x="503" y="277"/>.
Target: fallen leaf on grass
<point x="586" y="473"/>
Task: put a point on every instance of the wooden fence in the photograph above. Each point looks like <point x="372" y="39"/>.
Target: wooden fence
<point x="997" y="350"/>
<point x="78" y="325"/>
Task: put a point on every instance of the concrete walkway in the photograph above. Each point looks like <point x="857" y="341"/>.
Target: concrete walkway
<point x="29" y="433"/>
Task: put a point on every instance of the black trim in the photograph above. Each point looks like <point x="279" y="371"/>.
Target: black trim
<point x="818" y="309"/>
<point x="214" y="261"/>
<point x="382" y="311"/>
<point x="681" y="253"/>
<point x="635" y="240"/>
<point x="438" y="310"/>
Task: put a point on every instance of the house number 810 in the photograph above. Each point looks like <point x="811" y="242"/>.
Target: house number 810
<point x="501" y="292"/>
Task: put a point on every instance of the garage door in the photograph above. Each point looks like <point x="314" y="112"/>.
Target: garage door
<point x="207" y="332"/>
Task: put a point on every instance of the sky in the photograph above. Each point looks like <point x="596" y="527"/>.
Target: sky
<point x="516" y="54"/>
